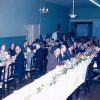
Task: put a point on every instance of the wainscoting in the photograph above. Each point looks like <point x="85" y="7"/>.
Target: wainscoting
<point x="18" y="40"/>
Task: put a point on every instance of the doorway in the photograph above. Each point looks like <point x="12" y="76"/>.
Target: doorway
<point x="82" y="28"/>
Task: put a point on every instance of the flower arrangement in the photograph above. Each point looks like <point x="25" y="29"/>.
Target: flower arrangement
<point x="62" y="71"/>
<point x="83" y="57"/>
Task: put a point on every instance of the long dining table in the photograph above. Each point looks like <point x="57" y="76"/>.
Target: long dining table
<point x="53" y="85"/>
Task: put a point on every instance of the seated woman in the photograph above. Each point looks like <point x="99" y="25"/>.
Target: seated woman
<point x="53" y="59"/>
<point x="6" y="63"/>
<point x="3" y="52"/>
<point x="12" y="49"/>
<point x="29" y="55"/>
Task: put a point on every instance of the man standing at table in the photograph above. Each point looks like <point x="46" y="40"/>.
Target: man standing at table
<point x="55" y="35"/>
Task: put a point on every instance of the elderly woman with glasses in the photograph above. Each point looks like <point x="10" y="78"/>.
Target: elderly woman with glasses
<point x="6" y="63"/>
<point x="3" y="52"/>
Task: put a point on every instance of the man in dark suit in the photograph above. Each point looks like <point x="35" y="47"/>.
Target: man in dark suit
<point x="39" y="58"/>
<point x="45" y="55"/>
<point x="24" y="46"/>
<point x="19" y="62"/>
<point x="69" y="52"/>
<point x="53" y="59"/>
<point x="11" y="50"/>
<point x="77" y="48"/>
<point x="97" y="58"/>
<point x="63" y="55"/>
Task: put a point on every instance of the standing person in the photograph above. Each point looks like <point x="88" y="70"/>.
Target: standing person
<point x="45" y="55"/>
<point x="39" y="58"/>
<point x="19" y="62"/>
<point x="54" y="35"/>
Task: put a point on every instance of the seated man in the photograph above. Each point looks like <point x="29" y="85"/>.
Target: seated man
<point x="69" y="52"/>
<point x="63" y="55"/>
<point x="97" y="57"/>
<point x="19" y="62"/>
<point x="77" y="48"/>
<point x="53" y="59"/>
<point x="24" y="46"/>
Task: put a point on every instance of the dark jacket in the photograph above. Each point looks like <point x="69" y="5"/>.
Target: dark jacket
<point x="63" y="57"/>
<point x="69" y="54"/>
<point x="97" y="59"/>
<point x="39" y="58"/>
<point x="12" y="52"/>
<point x="45" y="53"/>
<point x="19" y="64"/>
<point x="23" y="49"/>
<point x="77" y="50"/>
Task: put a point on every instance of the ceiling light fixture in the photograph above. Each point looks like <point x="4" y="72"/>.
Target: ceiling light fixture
<point x="44" y="9"/>
<point x="95" y="2"/>
<point x="73" y="15"/>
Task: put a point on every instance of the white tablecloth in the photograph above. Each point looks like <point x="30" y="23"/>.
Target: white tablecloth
<point x="64" y="87"/>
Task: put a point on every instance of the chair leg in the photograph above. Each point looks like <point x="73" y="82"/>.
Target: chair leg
<point x="3" y="91"/>
<point x="77" y="93"/>
<point x="14" y="85"/>
<point x="20" y="83"/>
<point x="31" y="76"/>
<point x="0" y="97"/>
<point x="8" y="88"/>
<point x="1" y="94"/>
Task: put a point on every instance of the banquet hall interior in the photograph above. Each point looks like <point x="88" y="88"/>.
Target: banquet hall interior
<point x="50" y="49"/>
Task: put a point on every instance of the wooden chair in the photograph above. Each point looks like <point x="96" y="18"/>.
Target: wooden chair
<point x="1" y="87"/>
<point x="32" y="70"/>
<point x="8" y="78"/>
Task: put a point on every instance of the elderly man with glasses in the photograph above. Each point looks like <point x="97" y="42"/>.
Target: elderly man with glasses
<point x="19" y="62"/>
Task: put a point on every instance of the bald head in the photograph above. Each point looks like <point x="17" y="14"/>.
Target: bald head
<point x="18" y="49"/>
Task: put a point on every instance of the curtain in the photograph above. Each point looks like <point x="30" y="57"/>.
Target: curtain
<point x="33" y="32"/>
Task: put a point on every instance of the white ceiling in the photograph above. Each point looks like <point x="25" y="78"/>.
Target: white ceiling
<point x="78" y="3"/>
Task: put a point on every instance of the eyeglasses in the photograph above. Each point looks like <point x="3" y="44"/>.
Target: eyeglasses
<point x="17" y="49"/>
